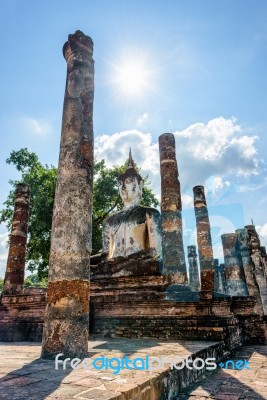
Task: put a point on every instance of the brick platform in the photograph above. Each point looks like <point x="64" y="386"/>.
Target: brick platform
<point x="24" y="376"/>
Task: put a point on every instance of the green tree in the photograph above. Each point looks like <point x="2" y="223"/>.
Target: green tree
<point x="1" y="284"/>
<point x="33" y="280"/>
<point x="42" y="182"/>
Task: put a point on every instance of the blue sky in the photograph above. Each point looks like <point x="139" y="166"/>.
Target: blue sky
<point x="205" y="68"/>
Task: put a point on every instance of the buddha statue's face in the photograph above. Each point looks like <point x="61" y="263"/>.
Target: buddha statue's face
<point x="130" y="191"/>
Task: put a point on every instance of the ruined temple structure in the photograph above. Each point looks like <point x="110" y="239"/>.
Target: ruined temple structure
<point x="143" y="254"/>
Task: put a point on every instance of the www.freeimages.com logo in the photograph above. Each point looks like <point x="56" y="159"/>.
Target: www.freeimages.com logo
<point x="150" y="364"/>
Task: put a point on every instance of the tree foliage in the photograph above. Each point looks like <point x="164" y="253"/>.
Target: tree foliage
<point x="1" y="284"/>
<point x="33" y="280"/>
<point x="42" y="182"/>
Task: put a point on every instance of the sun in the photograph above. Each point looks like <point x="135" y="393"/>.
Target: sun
<point x="132" y="78"/>
<point x="132" y="74"/>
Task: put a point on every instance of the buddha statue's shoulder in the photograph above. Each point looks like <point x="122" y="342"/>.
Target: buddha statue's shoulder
<point x="152" y="212"/>
<point x="137" y="214"/>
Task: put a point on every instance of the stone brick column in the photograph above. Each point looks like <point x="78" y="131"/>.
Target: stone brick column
<point x="193" y="268"/>
<point x="234" y="272"/>
<point x="15" y="269"/>
<point x="204" y="240"/>
<point x="258" y="259"/>
<point x="219" y="277"/>
<point x="248" y="265"/>
<point x="171" y="211"/>
<point x="67" y="313"/>
<point x="264" y="257"/>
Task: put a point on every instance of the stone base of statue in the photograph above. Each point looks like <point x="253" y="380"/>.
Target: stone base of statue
<point x="142" y="263"/>
<point x="181" y="293"/>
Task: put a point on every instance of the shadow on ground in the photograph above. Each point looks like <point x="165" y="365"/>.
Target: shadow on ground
<point x="231" y="384"/>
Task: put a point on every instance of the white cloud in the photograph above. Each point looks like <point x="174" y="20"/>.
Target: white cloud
<point x="114" y="149"/>
<point x="187" y="201"/>
<point x="253" y="187"/>
<point x="3" y="253"/>
<point x="142" y="119"/>
<point x="36" y="126"/>
<point x="262" y="231"/>
<point x="218" y="149"/>
<point x="206" y="153"/>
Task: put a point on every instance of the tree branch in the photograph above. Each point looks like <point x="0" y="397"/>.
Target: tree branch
<point x="102" y="217"/>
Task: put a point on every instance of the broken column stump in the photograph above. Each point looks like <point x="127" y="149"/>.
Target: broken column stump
<point x="67" y="313"/>
<point x="248" y="265"/>
<point x="233" y="266"/>
<point x="219" y="278"/>
<point x="204" y="240"/>
<point x="15" y="269"/>
<point x="193" y="268"/>
<point x="258" y="259"/>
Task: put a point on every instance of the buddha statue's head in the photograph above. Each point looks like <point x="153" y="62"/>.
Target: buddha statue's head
<point x="130" y="185"/>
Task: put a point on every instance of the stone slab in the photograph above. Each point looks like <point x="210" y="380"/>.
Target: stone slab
<point x="25" y="376"/>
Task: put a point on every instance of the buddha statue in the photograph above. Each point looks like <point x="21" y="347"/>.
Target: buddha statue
<point x="135" y="228"/>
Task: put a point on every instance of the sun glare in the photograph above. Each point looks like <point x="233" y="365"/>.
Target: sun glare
<point x="132" y="78"/>
<point x="132" y="74"/>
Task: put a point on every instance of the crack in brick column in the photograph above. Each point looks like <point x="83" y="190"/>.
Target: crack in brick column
<point x="15" y="270"/>
<point x="67" y="313"/>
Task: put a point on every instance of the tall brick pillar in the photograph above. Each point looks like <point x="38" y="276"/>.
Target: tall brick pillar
<point x="252" y="285"/>
<point x="67" y="313"/>
<point x="193" y="268"/>
<point x="258" y="259"/>
<point x="204" y="240"/>
<point x="264" y="256"/>
<point x="233" y="266"/>
<point x="171" y="211"/>
<point x="15" y="269"/>
<point x="219" y="277"/>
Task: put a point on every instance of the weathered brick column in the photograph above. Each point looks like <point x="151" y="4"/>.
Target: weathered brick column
<point x="233" y="266"/>
<point x="248" y="265"/>
<point x="171" y="211"/>
<point x="219" y="277"/>
<point x="264" y="258"/>
<point x="204" y="240"/>
<point x="193" y="268"/>
<point x="15" y="269"/>
<point x="67" y="313"/>
<point x="258" y="259"/>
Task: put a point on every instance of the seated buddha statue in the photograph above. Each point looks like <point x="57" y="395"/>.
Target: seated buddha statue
<point x="135" y="227"/>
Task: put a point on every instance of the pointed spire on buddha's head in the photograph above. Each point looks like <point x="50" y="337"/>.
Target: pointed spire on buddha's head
<point x="130" y="171"/>
<point x="130" y="160"/>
